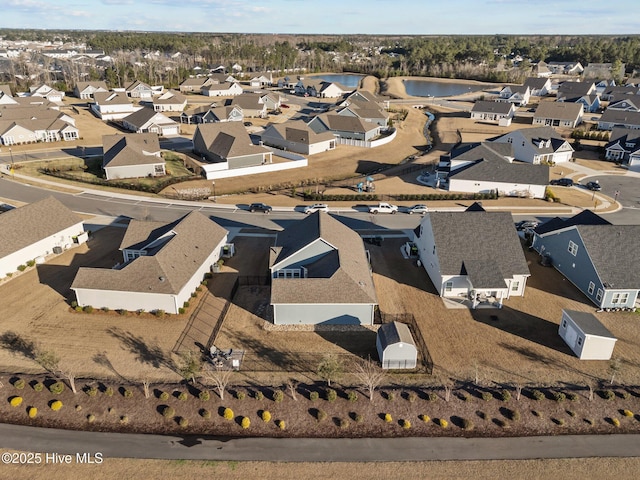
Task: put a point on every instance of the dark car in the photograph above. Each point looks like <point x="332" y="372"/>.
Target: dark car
<point x="563" y="182"/>
<point x="260" y="207"/>
<point x="595" y="186"/>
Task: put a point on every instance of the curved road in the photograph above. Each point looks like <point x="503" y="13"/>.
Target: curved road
<point x="32" y="439"/>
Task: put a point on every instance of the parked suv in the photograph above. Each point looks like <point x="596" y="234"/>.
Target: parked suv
<point x="563" y="182"/>
<point x="421" y="209"/>
<point x="260" y="207"/>
<point x="595" y="186"/>
<point x="316" y="207"/>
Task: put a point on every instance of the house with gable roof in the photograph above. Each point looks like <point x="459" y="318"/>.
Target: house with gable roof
<point x="112" y="105"/>
<point x="473" y="255"/>
<point x="600" y="259"/>
<point x="297" y="137"/>
<point x="85" y="90"/>
<point x="499" y="113"/>
<point x="320" y="274"/>
<point x="538" y="86"/>
<point x="629" y="103"/>
<point x="132" y="155"/>
<point x="228" y="89"/>
<point x="624" y="147"/>
<point x="138" y="89"/>
<point x="45" y="91"/>
<point x="611" y="119"/>
<point x="558" y="114"/>
<point x="516" y="94"/>
<point x="537" y="145"/>
<point x="163" y="264"/>
<point x="35" y="231"/>
<point x="148" y="120"/>
<point x="344" y="126"/>
<point x="252" y="105"/>
<point x="170" y="101"/>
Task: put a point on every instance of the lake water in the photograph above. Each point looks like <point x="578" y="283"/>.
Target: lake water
<point x="427" y="88"/>
<point x="351" y="81"/>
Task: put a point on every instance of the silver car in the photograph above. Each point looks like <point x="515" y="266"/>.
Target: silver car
<point x="421" y="209"/>
<point x="316" y="207"/>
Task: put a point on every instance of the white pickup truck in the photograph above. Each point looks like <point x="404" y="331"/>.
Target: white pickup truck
<point x="383" y="208"/>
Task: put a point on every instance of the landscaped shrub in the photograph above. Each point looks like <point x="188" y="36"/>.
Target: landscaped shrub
<point x="358" y="418"/>
<point x="388" y="418"/>
<point x="88" y="309"/>
<point x="406" y="424"/>
<point x="31" y="263"/>
<point x="505" y="395"/>
<point x="332" y="395"/>
<point x="572" y="396"/>
<point x="321" y="415"/>
<point x="571" y="413"/>
<point x="186" y="304"/>
<point x="464" y="396"/>
<point x="38" y="387"/>
<point x="159" y="313"/>
<point x="278" y="396"/>
<point x="124" y="419"/>
<point x="559" y="397"/>
<point x="32" y="412"/>
<point x="258" y="395"/>
<point x="127" y="393"/>
<point x="537" y="395"/>
<point x="626" y="395"/>
<point x="56" y="405"/>
<point x="627" y="413"/>
<point x="205" y="413"/>
<point x="78" y="408"/>
<point x="424" y="418"/>
<point x="499" y="422"/>
<point x="245" y="423"/>
<point x="432" y="397"/>
<point x="15" y="401"/>
<point x="56" y="388"/>
<point x="486" y="396"/>
<point x="608" y="395"/>
<point x="182" y="396"/>
<point x="313" y="396"/>
<point x="558" y="421"/>
<point x="281" y="424"/>
<point x="22" y="268"/>
<point x="240" y="395"/>
<point x="443" y="423"/>
<point x="352" y="396"/>
<point x="91" y="418"/>
<point x="183" y="422"/>
<point x="181" y="310"/>
<point x="466" y="424"/>
<point x="390" y="396"/>
<point x="19" y="384"/>
<point x="412" y="397"/>
<point x="589" y="421"/>
<point x="266" y="416"/>
<point x="91" y="391"/>
<point x="343" y="423"/>
<point x="615" y="422"/>
<point x="78" y="308"/>
<point x="228" y="414"/>
<point x="204" y="395"/>
<point x="104" y="309"/>
<point x="168" y="412"/>
<point x="164" y="396"/>
<point x="108" y="391"/>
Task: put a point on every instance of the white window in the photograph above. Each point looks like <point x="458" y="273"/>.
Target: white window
<point x="448" y="286"/>
<point x="592" y="287"/>
<point x="599" y="295"/>
<point x="515" y="286"/>
<point x="620" y="298"/>
<point x="573" y="248"/>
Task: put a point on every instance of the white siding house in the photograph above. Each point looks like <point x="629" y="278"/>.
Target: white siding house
<point x="586" y="336"/>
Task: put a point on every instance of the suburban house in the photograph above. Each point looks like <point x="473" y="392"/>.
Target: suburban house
<point x="138" y="89"/>
<point x="565" y="68"/>
<point x="603" y="85"/>
<point x="170" y="101"/>
<point x="366" y="111"/>
<point x="162" y="266"/>
<point x="541" y="70"/>
<point x="558" y="114"/>
<point x="195" y="84"/>
<point x="227" y="146"/>
<point x="20" y="125"/>
<point x="148" y="120"/>
<point x="45" y="91"/>
<point x="32" y="232"/>
<point x="320" y="274"/>
<point x="297" y="137"/>
<point x="538" y="86"/>
<point x="624" y="147"/>
<point x="500" y="113"/>
<point x="619" y="92"/>
<point x="211" y="114"/>
<point x="473" y="255"/>
<point x="629" y="103"/>
<point x="6" y="98"/>
<point x="489" y="167"/>
<point x="575" y="90"/>
<point x="515" y="94"/>
<point x="603" y="70"/>
<point x="315" y="87"/>
<point x="251" y="104"/>
<point x="396" y="347"/>
<point x="85" y="90"/>
<point x="619" y="118"/>
<point x="344" y="126"/>
<point x="600" y="259"/>
<point x="537" y="145"/>
<point x="586" y="336"/>
<point x="261" y="80"/>
<point x="228" y="89"/>
<point x="112" y="105"/>
<point x="132" y="155"/>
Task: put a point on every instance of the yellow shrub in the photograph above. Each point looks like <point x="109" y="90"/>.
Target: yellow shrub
<point x="246" y="423"/>
<point x="425" y="418"/>
<point x="282" y="425"/>
<point x="228" y="414"/>
<point x="57" y="405"/>
<point x="443" y="423"/>
<point x="615" y="422"/>
<point x="388" y="418"/>
<point x="266" y="416"/>
<point x="16" y="401"/>
<point x="628" y="413"/>
<point x="406" y="424"/>
<point x="33" y="411"/>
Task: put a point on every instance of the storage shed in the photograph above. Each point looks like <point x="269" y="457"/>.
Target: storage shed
<point x="586" y="336"/>
<point x="396" y="347"/>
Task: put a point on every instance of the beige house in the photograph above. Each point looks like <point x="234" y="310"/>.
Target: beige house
<point x="132" y="155"/>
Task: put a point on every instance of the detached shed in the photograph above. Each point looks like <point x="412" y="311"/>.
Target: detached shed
<point x="586" y="336"/>
<point x="396" y="347"/>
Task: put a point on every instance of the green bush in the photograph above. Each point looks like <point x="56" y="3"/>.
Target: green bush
<point x="56" y="388"/>
<point x="321" y="415"/>
<point x="391" y="396"/>
<point x="74" y="304"/>
<point x="343" y="423"/>
<point x="608" y="395"/>
<point x="572" y="397"/>
<point x="186" y="304"/>
<point x="78" y="309"/>
<point x="358" y="418"/>
<point x="486" y="396"/>
<point x="108" y="391"/>
<point x="159" y="313"/>
<point x="105" y="309"/>
<point x="412" y="397"/>
<point x="626" y="395"/>
<point x="168" y="412"/>
<point x="87" y="309"/>
<point x="332" y="395"/>
<point x="259" y="395"/>
<point x="31" y="263"/>
<point x="313" y="396"/>
<point x="432" y="397"/>
<point x="278" y="396"/>
<point x="352" y="396"/>
<point x="205" y="413"/>
<point x="38" y="387"/>
<point x="559" y="397"/>
<point x="204" y="395"/>
<point x="228" y="414"/>
<point x="19" y="384"/>
<point x="91" y="391"/>
<point x="182" y="396"/>
<point x="181" y="310"/>
<point x="505" y="395"/>
<point x="127" y="393"/>
<point x="240" y="395"/>
<point x="22" y="268"/>
<point x="467" y="424"/>
<point x="537" y="395"/>
<point x="164" y="396"/>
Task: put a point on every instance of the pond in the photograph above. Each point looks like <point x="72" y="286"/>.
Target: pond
<point x="347" y="80"/>
<point x="428" y="88"/>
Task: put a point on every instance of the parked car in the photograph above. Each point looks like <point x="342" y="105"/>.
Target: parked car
<point x="284" y="105"/>
<point x="260" y="207"/>
<point x="421" y="209"/>
<point x="595" y="186"/>
<point x="5" y="207"/>
<point x="563" y="182"/>
<point x="248" y="124"/>
<point x="523" y="225"/>
<point x="316" y="207"/>
<point x="383" y="208"/>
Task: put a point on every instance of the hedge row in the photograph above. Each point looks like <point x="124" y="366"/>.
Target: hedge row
<point x="400" y="197"/>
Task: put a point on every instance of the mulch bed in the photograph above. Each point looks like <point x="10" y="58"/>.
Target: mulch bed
<point x="471" y="411"/>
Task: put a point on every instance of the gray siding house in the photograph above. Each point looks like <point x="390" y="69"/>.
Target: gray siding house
<point x="599" y="258"/>
<point x="321" y="275"/>
<point x="586" y="336"/>
<point x="395" y="345"/>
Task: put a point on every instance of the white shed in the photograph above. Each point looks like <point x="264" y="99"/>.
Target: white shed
<point x="396" y="347"/>
<point x="586" y="336"/>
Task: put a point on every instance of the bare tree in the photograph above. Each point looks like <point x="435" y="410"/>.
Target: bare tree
<point x="518" y="388"/>
<point x="292" y="384"/>
<point x="369" y="375"/>
<point x="590" y="387"/>
<point x="330" y="368"/>
<point x="447" y="391"/>
<point x="70" y="376"/>
<point x="146" y="387"/>
<point x="220" y="377"/>
<point x="615" y="365"/>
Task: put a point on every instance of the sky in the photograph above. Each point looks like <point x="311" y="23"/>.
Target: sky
<point x="417" y="17"/>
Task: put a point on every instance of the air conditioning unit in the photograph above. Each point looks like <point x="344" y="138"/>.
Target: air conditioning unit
<point x="57" y="249"/>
